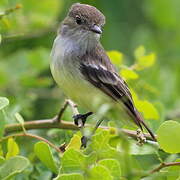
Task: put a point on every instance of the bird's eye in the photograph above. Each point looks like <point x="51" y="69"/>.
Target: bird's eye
<point x="78" y="20"/>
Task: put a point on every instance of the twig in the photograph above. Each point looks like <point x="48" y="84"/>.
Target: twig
<point x="32" y="136"/>
<point x="75" y="112"/>
<point x="73" y="107"/>
<point x="62" y="110"/>
<point x="163" y="165"/>
<point x="10" y="10"/>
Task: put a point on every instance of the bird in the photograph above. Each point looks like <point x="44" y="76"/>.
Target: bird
<point x="81" y="67"/>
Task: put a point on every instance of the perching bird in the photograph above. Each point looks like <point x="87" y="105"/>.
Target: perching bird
<point x="82" y="68"/>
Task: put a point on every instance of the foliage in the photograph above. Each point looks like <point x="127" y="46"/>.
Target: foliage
<point x="146" y="39"/>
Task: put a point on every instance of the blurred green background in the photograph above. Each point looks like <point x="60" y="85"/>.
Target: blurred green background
<point x="28" y="28"/>
<point x="27" y="37"/>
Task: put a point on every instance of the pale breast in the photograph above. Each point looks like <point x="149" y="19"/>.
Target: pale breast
<point x="65" y="70"/>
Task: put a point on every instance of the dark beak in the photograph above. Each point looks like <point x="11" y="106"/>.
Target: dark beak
<point x="96" y="29"/>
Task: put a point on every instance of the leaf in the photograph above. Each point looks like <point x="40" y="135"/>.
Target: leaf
<point x="168" y="136"/>
<point x="129" y="74"/>
<point x="100" y="144"/>
<point x="174" y="171"/>
<point x="72" y="161"/>
<point x="139" y="52"/>
<point x="0" y="38"/>
<point x="99" y="172"/>
<point x="146" y="61"/>
<point x="13" y="166"/>
<point x="3" y="102"/>
<point x="74" y="143"/>
<point x="19" y="118"/>
<point x="148" y="109"/>
<point x="141" y="150"/>
<point x="2" y="122"/>
<point x="116" y="57"/>
<point x="72" y="176"/>
<point x="2" y="160"/>
<point x="113" y="166"/>
<point x="13" y="148"/>
<point x="43" y="152"/>
<point x="1" y="150"/>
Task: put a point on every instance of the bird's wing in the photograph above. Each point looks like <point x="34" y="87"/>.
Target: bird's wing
<point x="101" y="74"/>
<point x="97" y="69"/>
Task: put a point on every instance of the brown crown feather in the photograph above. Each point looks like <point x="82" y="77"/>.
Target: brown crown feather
<point x="88" y="12"/>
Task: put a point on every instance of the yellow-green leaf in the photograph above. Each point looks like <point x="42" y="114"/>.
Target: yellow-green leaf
<point x="116" y="57"/>
<point x="146" y="61"/>
<point x="43" y="152"/>
<point x="1" y="151"/>
<point x="129" y="74"/>
<point x="148" y="109"/>
<point x="70" y="176"/>
<point x="139" y="52"/>
<point x="113" y="166"/>
<point x="13" y="148"/>
<point x="75" y="142"/>
<point x="168" y="136"/>
<point x="19" y="118"/>
<point x="3" y="102"/>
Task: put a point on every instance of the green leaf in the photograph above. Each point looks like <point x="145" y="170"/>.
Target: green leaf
<point x="139" y="52"/>
<point x="13" y="166"/>
<point x="116" y="57"/>
<point x="113" y="166"/>
<point x="146" y="61"/>
<point x="174" y="171"/>
<point x="141" y="150"/>
<point x="2" y="122"/>
<point x="13" y="148"/>
<point x="43" y="152"/>
<point x="73" y="176"/>
<point x="99" y="172"/>
<point x="74" y="143"/>
<point x="168" y="136"/>
<point x="129" y="74"/>
<point x="3" y="102"/>
<point x="148" y="109"/>
<point x="100" y="144"/>
<point x="72" y="161"/>
<point x="19" y="118"/>
<point x="2" y="160"/>
<point x="1" y="151"/>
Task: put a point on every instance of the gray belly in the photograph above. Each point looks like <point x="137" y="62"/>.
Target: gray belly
<point x="75" y="87"/>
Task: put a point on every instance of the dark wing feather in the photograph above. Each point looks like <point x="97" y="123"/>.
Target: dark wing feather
<point x="111" y="84"/>
<point x="98" y="70"/>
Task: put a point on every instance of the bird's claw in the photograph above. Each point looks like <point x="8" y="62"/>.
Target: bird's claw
<point x="80" y="119"/>
<point x="141" y="139"/>
<point x="84" y="141"/>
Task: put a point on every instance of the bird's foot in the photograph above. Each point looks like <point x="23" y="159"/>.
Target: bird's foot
<point x="84" y="141"/>
<point x="141" y="139"/>
<point x="80" y="119"/>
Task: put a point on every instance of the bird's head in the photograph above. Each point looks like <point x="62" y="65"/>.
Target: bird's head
<point x="83" y="22"/>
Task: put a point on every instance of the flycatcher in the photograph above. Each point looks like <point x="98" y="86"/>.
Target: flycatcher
<point x="81" y="67"/>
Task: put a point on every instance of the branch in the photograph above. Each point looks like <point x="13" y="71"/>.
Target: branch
<point x="163" y="165"/>
<point x="10" y="10"/>
<point x="52" y="123"/>
<point x="32" y="136"/>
